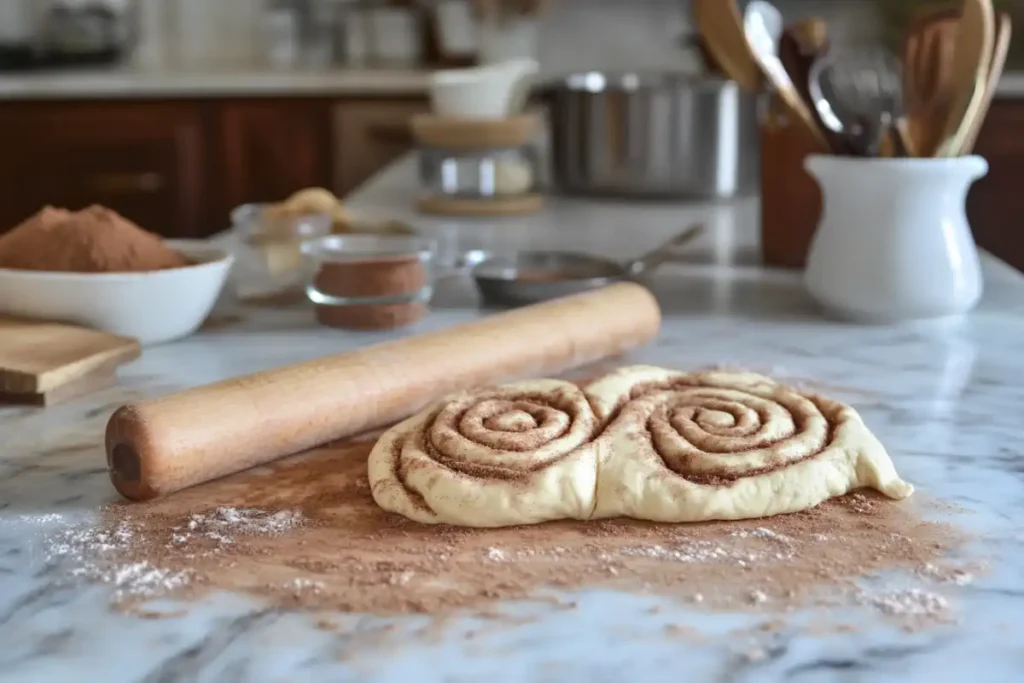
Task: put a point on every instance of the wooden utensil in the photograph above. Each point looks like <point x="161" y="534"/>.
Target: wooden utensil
<point x="801" y="45"/>
<point x="927" y="78"/>
<point x="1004" y="33"/>
<point x="765" y="50"/>
<point x="44" y="363"/>
<point x="972" y="61"/>
<point x="162" y="445"/>
<point x="928" y="56"/>
<point x="721" y="26"/>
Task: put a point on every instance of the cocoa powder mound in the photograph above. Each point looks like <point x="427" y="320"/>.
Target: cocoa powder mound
<point x="306" y="534"/>
<point x="93" y="240"/>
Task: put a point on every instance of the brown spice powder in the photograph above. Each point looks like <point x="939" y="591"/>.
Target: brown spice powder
<point x="371" y="278"/>
<point x="93" y="240"/>
<point x="333" y="548"/>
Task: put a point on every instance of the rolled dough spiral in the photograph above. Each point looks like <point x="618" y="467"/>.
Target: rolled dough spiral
<point x="686" y="447"/>
<point x="641" y="442"/>
<point x="518" y="454"/>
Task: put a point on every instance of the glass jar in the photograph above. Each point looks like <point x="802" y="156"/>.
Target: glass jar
<point x="370" y="282"/>
<point x="478" y="173"/>
<point x="268" y="259"/>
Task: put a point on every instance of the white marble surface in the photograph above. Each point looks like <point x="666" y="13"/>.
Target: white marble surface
<point x="141" y="83"/>
<point x="946" y="400"/>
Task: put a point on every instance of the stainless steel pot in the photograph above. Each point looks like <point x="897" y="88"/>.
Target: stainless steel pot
<point x="668" y="135"/>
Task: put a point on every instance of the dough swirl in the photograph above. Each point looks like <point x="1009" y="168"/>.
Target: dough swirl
<point x="686" y="447"/>
<point x="641" y="442"/>
<point x="517" y="454"/>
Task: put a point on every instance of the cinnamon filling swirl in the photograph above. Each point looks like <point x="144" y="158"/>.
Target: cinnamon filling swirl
<point x="641" y="442"/>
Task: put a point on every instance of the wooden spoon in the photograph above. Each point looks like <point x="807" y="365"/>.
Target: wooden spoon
<point x="801" y="44"/>
<point x="928" y="57"/>
<point x="721" y="26"/>
<point x="800" y="47"/>
<point x="927" y="79"/>
<point x="972" y="61"/>
<point x="1004" y="33"/>
<point x="765" y="50"/>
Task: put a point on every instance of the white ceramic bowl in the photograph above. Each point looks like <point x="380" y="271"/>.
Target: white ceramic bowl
<point x="153" y="307"/>
<point x="475" y="93"/>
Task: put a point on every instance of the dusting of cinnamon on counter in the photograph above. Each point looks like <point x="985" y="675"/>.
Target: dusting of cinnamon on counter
<point x="93" y="240"/>
<point x="306" y="534"/>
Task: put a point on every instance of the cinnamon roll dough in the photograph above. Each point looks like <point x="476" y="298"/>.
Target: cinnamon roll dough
<point x="518" y="454"/>
<point x="641" y="442"/>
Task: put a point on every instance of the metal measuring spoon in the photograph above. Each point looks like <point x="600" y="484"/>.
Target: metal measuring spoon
<point x="858" y="94"/>
<point x="528" y="277"/>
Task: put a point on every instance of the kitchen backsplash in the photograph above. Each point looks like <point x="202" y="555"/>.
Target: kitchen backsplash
<point x="574" y="34"/>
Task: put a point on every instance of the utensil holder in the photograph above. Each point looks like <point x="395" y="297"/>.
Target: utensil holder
<point x="478" y="167"/>
<point x="790" y="199"/>
<point x="894" y="243"/>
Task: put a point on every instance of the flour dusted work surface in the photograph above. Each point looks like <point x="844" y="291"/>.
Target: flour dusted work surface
<point x="641" y="442"/>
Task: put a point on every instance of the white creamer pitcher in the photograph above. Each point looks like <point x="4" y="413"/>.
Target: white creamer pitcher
<point x="893" y="243"/>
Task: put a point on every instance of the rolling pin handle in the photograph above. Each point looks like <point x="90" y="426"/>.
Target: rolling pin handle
<point x="125" y="464"/>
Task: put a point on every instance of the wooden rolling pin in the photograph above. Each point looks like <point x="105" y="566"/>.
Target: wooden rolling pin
<point x="161" y="445"/>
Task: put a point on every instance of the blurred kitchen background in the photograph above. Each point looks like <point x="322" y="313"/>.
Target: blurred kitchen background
<point x="174" y="112"/>
<point x="566" y="35"/>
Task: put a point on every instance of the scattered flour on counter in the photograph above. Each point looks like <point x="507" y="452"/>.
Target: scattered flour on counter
<point x="710" y="551"/>
<point x="46" y="518"/>
<point x="301" y="584"/>
<point x="954" y="575"/>
<point x="911" y="602"/>
<point x="121" y="554"/>
<point x="225" y="523"/>
<point x="761" y="532"/>
<point x="137" y="579"/>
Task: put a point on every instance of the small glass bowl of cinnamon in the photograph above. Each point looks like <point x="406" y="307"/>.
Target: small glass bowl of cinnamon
<point x="370" y="282"/>
<point x="269" y="258"/>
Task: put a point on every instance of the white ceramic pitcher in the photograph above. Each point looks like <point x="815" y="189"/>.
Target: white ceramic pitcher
<point x="893" y="243"/>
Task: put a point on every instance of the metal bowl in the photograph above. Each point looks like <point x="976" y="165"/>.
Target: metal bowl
<point x="653" y="135"/>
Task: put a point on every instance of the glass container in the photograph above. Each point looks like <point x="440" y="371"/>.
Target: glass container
<point x="370" y="281"/>
<point x="269" y="259"/>
<point x="478" y="173"/>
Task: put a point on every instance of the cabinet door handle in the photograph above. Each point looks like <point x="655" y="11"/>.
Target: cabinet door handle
<point x="126" y="183"/>
<point x="391" y="135"/>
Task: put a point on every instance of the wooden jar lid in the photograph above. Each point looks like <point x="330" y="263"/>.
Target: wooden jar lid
<point x="453" y="133"/>
<point x="513" y="205"/>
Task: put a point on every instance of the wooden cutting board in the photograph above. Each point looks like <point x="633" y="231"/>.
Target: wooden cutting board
<point x="43" y="363"/>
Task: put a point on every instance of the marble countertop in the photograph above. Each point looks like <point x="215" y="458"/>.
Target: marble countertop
<point x="134" y="82"/>
<point x="945" y="399"/>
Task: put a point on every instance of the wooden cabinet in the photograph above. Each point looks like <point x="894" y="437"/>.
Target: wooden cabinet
<point x="179" y="167"/>
<point x="369" y="135"/>
<point x="145" y="160"/>
<point x="996" y="202"/>
<point x="271" y="148"/>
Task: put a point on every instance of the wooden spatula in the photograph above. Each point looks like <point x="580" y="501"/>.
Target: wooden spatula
<point x="972" y="61"/>
<point x="721" y="26"/>
<point x="1004" y="32"/>
<point x="801" y="45"/>
<point x="927" y="79"/>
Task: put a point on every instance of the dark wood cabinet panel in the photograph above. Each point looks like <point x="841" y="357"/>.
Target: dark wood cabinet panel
<point x="996" y="202"/>
<point x="145" y="160"/>
<point x="370" y="134"/>
<point x="271" y="148"/>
